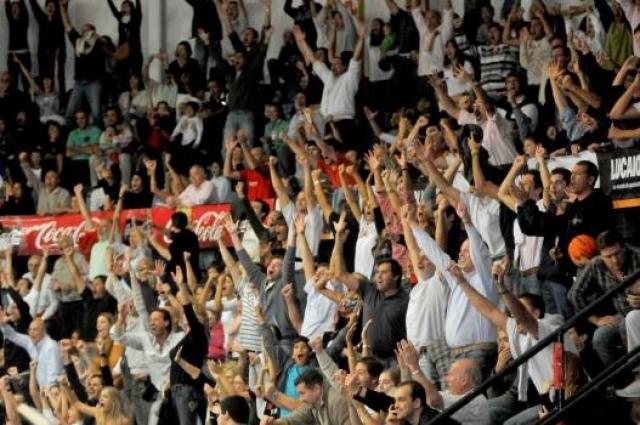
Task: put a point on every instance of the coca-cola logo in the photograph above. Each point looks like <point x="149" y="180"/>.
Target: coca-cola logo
<point x="48" y="233"/>
<point x="205" y="226"/>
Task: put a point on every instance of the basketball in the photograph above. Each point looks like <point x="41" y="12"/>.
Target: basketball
<point x="582" y="247"/>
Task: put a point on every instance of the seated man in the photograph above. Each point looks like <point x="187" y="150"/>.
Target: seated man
<point x="200" y="190"/>
<point x="114" y="143"/>
<point x="53" y="199"/>
<point x="81" y="144"/>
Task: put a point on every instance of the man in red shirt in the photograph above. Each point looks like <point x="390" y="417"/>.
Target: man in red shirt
<point x="256" y="176"/>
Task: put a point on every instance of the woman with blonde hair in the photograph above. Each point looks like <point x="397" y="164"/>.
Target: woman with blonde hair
<point x="109" y="410"/>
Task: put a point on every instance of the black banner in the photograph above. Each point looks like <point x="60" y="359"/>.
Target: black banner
<point x="620" y="177"/>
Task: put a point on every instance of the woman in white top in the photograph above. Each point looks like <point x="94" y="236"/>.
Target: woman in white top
<point x="46" y="95"/>
<point x="453" y="57"/>
<point x="135" y="102"/>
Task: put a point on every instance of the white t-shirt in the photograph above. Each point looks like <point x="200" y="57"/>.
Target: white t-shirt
<point x="497" y="135"/>
<point x="339" y="94"/>
<point x="367" y="239"/>
<point x="528" y="249"/>
<point x="485" y="216"/>
<point x="427" y="311"/>
<point x="201" y="195"/>
<point x="319" y="312"/>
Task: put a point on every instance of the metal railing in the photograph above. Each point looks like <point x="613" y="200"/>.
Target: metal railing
<point x="556" y="335"/>
<point x="629" y="360"/>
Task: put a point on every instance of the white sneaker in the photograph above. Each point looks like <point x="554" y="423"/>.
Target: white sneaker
<point x="630" y="391"/>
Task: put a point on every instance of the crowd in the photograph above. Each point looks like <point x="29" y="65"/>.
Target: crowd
<point x="399" y="227"/>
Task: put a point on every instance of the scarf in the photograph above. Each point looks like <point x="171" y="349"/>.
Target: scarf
<point x="619" y="44"/>
<point x="86" y="43"/>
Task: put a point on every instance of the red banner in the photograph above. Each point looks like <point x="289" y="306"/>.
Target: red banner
<point x="44" y="231"/>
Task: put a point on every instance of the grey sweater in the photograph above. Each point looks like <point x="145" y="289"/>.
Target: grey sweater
<point x="273" y="304"/>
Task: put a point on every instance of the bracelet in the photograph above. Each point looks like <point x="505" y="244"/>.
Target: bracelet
<point x="416" y="372"/>
<point x="317" y="183"/>
<point x="404" y="169"/>
<point x="475" y="152"/>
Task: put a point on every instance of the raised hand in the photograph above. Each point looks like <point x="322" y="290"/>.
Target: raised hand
<point x="177" y="276"/>
<point x="299" y="223"/>
<point x="462" y="212"/>
<point x="455" y="271"/>
<point x="159" y="268"/>
<point x="287" y="292"/>
<point x="298" y="34"/>
<point x="341" y="225"/>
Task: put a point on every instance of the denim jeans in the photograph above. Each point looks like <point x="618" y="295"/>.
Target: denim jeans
<point x="607" y="342"/>
<point x="188" y="403"/>
<point x="555" y="299"/>
<point x="503" y="407"/>
<point x="140" y="407"/>
<point x="526" y="285"/>
<point x="240" y="119"/>
<point x="526" y="417"/>
<point x="88" y="91"/>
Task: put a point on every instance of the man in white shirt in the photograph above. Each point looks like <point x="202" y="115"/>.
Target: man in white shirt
<point x="434" y="31"/>
<point x="528" y="249"/>
<point x="341" y="83"/>
<point x="525" y="329"/>
<point x="45" y="303"/>
<point x="156" y="343"/>
<point x="467" y="332"/>
<point x="427" y="310"/>
<point x="200" y="190"/>
<point x="41" y="349"/>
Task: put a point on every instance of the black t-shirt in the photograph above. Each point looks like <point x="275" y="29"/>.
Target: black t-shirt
<point x="184" y="241"/>
<point x="137" y="200"/>
<point x="389" y="314"/>
<point x="93" y="307"/>
<point x="89" y="66"/>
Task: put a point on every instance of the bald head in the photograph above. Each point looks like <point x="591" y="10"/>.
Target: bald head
<point x="464" y="375"/>
<point x="37" y="330"/>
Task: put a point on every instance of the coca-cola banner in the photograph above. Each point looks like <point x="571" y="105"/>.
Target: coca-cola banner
<point x="31" y="233"/>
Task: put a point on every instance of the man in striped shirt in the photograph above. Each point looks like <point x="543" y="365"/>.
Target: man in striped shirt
<point x="497" y="60"/>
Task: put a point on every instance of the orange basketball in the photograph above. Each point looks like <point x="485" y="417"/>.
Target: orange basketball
<point x="582" y="247"/>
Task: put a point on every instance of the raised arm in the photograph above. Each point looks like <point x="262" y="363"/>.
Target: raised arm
<point x="305" y="251"/>
<point x="278" y="185"/>
<point x="307" y="187"/>
<point x="518" y="311"/>
<point x="64" y="14"/>
<point x="622" y="109"/>
<point x="348" y="194"/>
<point x="479" y="301"/>
<point x="412" y="358"/>
<point x="482" y="185"/>
<point x="350" y="280"/>
<point x="504" y="192"/>
<point x="304" y="48"/>
<point x="321" y="196"/>
<point x="442" y="184"/>
<point x="114" y="9"/>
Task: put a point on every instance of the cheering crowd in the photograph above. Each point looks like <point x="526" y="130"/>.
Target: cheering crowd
<point x="414" y="203"/>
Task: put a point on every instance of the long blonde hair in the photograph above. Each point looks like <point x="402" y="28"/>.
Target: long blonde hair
<point x="116" y="415"/>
